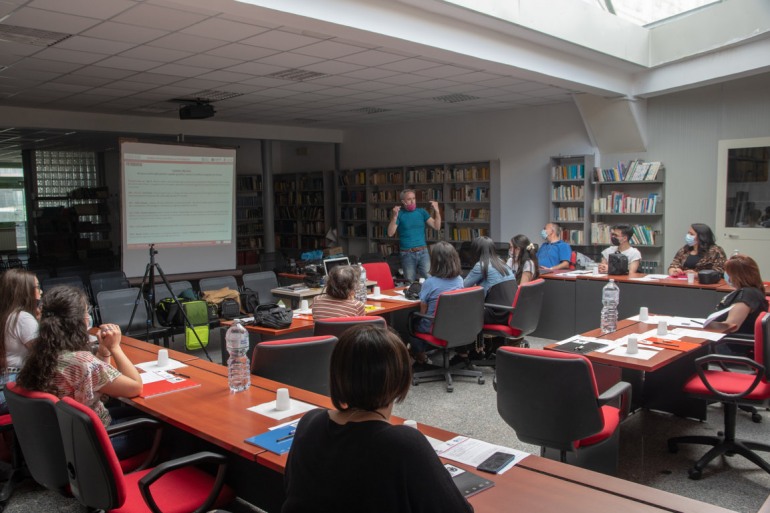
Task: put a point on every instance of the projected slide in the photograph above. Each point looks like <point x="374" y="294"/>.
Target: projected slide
<point x="178" y="200"/>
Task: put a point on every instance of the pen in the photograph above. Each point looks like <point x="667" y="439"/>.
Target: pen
<point x="696" y="322"/>
<point x="287" y="437"/>
<point x="179" y="374"/>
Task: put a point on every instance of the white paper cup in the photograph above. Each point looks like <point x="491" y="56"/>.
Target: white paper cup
<point x="595" y="270"/>
<point x="376" y="290"/>
<point x="162" y="357"/>
<point x="422" y="280"/>
<point x="690" y="278"/>
<point x="632" y="344"/>
<point x="662" y="328"/>
<point x="304" y="305"/>
<point x="644" y="314"/>
<point x="411" y="423"/>
<point x="282" y="400"/>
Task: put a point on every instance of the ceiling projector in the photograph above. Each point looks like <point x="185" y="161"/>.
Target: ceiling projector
<point x="196" y="111"/>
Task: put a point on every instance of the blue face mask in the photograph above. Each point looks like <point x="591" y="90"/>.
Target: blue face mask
<point x="727" y="278"/>
<point x="689" y="239"/>
<point x="90" y="322"/>
<point x="544" y="234"/>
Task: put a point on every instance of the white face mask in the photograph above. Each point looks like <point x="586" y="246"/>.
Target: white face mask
<point x="689" y="239"/>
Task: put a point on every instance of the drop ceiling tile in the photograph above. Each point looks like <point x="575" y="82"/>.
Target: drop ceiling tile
<point x="371" y="58"/>
<point x="39" y="75"/>
<point x="290" y="60"/>
<point x="126" y="63"/>
<point x="280" y="40"/>
<point x="55" y="86"/>
<point x="46" y="65"/>
<point x="330" y="49"/>
<point x="211" y="62"/>
<point x="442" y="71"/>
<point x="333" y="67"/>
<point x="307" y="87"/>
<point x="203" y="85"/>
<point x="237" y="88"/>
<point x="409" y="65"/>
<point x="371" y="73"/>
<point x="153" y="16"/>
<point x="255" y="68"/>
<point x="265" y="82"/>
<point x="225" y="76"/>
<point x="102" y="9"/>
<point x="94" y="45"/>
<point x="179" y="70"/>
<point x="187" y="43"/>
<point x="277" y="92"/>
<point x="338" y="91"/>
<point x="502" y="82"/>
<point x="226" y="30"/>
<point x="369" y="86"/>
<point x="47" y="20"/>
<point x="154" y="53"/>
<point x="122" y="32"/>
<point x="242" y="52"/>
<point x="404" y="79"/>
<point x="11" y="50"/>
<point x="524" y="87"/>
<point x="58" y="54"/>
<point x="106" y="91"/>
<point x="82" y="80"/>
<point x="475" y="77"/>
<point x="399" y="90"/>
<point x="336" y="80"/>
<point x="154" y="78"/>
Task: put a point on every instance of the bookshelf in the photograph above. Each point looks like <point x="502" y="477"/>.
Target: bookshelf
<point x="631" y="193"/>
<point x="571" y="199"/>
<point x="366" y="197"/>
<point x="249" y="225"/>
<point x="300" y="219"/>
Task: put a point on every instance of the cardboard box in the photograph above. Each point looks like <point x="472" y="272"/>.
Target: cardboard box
<point x="336" y="250"/>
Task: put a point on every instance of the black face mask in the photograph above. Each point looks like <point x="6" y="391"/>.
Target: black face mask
<point x="614" y="241"/>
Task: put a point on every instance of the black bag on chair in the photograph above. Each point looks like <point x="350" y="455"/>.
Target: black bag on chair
<point x="249" y="301"/>
<point x="229" y="308"/>
<point x="270" y="315"/>
<point x="617" y="264"/>
<point x="413" y="291"/>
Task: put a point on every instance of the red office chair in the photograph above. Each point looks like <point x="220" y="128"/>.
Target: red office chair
<point x="13" y="469"/>
<point x="336" y="325"/>
<point x="551" y="399"/>
<point x="456" y="322"/>
<point x="731" y="387"/>
<point x="299" y="362"/>
<point x="521" y="318"/>
<point x="97" y="480"/>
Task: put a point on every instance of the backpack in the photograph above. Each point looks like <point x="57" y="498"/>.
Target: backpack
<point x="168" y="312"/>
<point x="270" y="315"/>
<point x="249" y="301"/>
<point x="617" y="264"/>
<point x="229" y="308"/>
<point x="413" y="291"/>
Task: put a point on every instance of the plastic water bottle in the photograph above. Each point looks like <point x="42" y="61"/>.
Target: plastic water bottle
<point x="361" y="292"/>
<point x="610" y="300"/>
<point x="238" y="368"/>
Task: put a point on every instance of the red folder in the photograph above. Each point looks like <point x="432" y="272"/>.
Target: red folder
<point x="164" y="387"/>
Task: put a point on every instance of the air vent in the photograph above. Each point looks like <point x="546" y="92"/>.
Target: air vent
<point x="31" y="36"/>
<point x="207" y="96"/>
<point x="455" y="98"/>
<point x="297" y="75"/>
<point x="370" y="110"/>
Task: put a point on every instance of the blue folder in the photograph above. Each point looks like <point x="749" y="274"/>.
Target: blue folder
<point x="277" y="441"/>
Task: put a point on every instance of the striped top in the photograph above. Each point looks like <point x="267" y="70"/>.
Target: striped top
<point x="80" y="375"/>
<point x="325" y="307"/>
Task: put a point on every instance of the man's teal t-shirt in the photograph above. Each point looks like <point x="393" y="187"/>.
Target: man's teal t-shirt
<point x="411" y="228"/>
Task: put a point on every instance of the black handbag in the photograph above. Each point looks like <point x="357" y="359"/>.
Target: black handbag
<point x="413" y="291"/>
<point x="229" y="308"/>
<point x="271" y="315"/>
<point x="617" y="264"/>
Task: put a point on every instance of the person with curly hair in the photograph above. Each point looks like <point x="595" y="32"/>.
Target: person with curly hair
<point x="60" y="361"/>
<point x="19" y="297"/>
<point x="339" y="297"/>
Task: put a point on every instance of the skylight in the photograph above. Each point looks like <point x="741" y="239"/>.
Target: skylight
<point x="649" y="11"/>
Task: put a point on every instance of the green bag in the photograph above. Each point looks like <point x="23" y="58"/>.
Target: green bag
<point x="198" y="313"/>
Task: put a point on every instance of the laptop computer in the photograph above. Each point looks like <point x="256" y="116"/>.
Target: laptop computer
<point x="331" y="263"/>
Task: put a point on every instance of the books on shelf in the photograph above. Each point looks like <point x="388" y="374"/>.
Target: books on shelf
<point x="568" y="213"/>
<point x="573" y="237"/>
<point x="568" y="172"/>
<point x="644" y="235"/>
<point x="621" y="203"/>
<point x="471" y="214"/>
<point x="467" y="234"/>
<point x="632" y="171"/>
<point x="567" y="193"/>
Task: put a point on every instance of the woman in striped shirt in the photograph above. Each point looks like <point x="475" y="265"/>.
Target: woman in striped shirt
<point x="339" y="299"/>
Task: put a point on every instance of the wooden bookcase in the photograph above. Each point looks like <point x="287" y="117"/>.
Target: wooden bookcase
<point x="571" y="199"/>
<point x="300" y="212"/>
<point x="249" y="224"/>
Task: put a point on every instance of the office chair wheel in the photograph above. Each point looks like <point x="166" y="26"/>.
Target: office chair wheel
<point x="481" y="380"/>
<point x="756" y="417"/>
<point x="450" y="388"/>
<point x="415" y="382"/>
<point x="694" y="473"/>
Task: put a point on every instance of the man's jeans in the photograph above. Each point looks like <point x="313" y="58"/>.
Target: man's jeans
<point x="415" y="264"/>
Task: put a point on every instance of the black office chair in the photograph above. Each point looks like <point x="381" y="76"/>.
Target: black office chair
<point x="72" y="281"/>
<point x="262" y="283"/>
<point x="116" y="307"/>
<point x="299" y="362"/>
<point x="177" y="287"/>
<point x="108" y="280"/>
<point x="457" y="321"/>
<point x="518" y="320"/>
<point x="218" y="282"/>
<point x="551" y="399"/>
<point x="337" y="325"/>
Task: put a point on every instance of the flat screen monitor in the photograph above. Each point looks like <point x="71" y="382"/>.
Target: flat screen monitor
<point x="334" y="262"/>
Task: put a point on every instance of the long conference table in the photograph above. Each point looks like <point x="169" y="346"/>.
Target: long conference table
<point x="213" y="414"/>
<point x="572" y="303"/>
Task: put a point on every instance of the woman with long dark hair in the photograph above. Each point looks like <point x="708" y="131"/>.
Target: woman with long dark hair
<point x="699" y="252"/>
<point x="748" y="299"/>
<point x="489" y="269"/>
<point x="19" y="297"/>
<point x="523" y="259"/>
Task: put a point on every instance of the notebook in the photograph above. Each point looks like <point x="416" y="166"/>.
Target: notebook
<point x="164" y="387"/>
<point x="579" y="347"/>
<point x="277" y="440"/>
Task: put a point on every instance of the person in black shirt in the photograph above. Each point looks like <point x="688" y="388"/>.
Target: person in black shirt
<point x="352" y="458"/>
<point x="748" y="299"/>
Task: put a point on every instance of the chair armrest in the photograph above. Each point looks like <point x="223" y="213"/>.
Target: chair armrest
<point x="702" y="363"/>
<point x="410" y="320"/>
<point x="619" y="391"/>
<point x="140" y="423"/>
<point x="502" y="308"/>
<point x="185" y="461"/>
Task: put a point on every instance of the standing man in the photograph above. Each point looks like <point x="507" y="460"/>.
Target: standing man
<point x="554" y="254"/>
<point x="410" y="224"/>
<point x="620" y="238"/>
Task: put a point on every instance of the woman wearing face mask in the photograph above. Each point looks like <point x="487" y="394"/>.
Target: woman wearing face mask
<point x="699" y="252"/>
<point x="61" y="363"/>
<point x="19" y="297"/>
<point x="748" y="299"/>
<point x="523" y="259"/>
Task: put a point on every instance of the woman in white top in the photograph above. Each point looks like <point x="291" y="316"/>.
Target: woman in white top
<point x="19" y="313"/>
<point x="523" y="259"/>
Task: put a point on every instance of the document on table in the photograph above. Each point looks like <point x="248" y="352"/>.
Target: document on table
<point x="618" y="348"/>
<point x="472" y="452"/>
<point x="708" y="335"/>
<point x="719" y="316"/>
<point x="152" y="366"/>
<point x="269" y="410"/>
<point x="649" y="277"/>
<point x="672" y="320"/>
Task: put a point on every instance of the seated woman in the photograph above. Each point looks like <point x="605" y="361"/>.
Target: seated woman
<point x="19" y="297"/>
<point x="444" y="276"/>
<point x="61" y="363"/>
<point x="489" y="269"/>
<point x="352" y="459"/>
<point x="523" y="259"/>
<point x="748" y="299"/>
<point x="698" y="253"/>
<point x="339" y="297"/>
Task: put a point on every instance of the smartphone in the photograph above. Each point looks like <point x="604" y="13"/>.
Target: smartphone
<point x="496" y="462"/>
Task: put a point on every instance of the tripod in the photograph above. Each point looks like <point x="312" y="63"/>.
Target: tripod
<point x="149" y="274"/>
